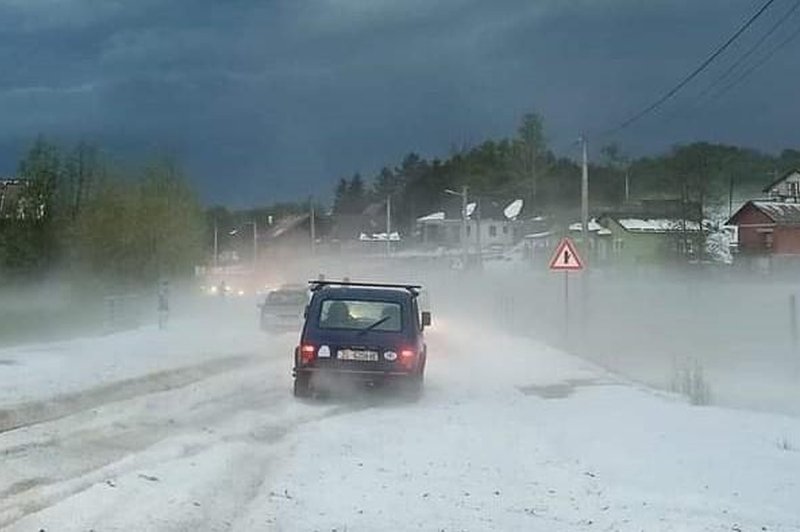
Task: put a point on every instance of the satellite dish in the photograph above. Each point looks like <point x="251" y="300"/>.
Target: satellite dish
<point x="513" y="209"/>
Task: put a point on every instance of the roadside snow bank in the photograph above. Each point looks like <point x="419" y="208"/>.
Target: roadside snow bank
<point x="42" y="371"/>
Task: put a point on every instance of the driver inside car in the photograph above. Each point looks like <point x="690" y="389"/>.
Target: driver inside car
<point x="338" y="316"/>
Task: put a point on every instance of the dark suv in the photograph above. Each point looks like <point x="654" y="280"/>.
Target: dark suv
<point x="365" y="332"/>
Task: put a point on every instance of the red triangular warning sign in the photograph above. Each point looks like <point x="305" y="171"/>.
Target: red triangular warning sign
<point x="566" y="257"/>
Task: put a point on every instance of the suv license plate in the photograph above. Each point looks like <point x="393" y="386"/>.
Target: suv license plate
<point x="361" y="356"/>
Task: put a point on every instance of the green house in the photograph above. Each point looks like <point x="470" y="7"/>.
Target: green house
<point x="653" y="240"/>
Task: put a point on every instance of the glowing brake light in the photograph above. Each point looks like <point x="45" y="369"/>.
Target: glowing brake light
<point x="407" y="357"/>
<point x="307" y="353"/>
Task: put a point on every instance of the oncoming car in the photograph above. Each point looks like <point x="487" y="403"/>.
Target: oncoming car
<point x="365" y="332"/>
<point x="282" y="309"/>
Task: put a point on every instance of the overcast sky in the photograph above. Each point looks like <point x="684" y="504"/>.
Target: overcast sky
<point x="271" y="100"/>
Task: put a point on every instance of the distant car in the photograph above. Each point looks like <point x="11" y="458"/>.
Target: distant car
<point x="282" y="309"/>
<point x="363" y="332"/>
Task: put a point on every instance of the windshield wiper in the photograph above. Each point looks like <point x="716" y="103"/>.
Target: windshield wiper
<point x="371" y="326"/>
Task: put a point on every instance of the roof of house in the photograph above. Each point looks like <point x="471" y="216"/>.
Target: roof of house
<point x="784" y="177"/>
<point x="594" y="227"/>
<point x="780" y="212"/>
<point x="535" y="236"/>
<point x="380" y="237"/>
<point x="12" y="186"/>
<point x="654" y="209"/>
<point x="489" y="210"/>
<point x="432" y="217"/>
<point x="656" y="225"/>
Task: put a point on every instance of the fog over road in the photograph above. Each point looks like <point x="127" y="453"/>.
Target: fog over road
<point x="199" y="431"/>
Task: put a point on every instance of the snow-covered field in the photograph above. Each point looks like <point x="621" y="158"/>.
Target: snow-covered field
<point x="195" y="429"/>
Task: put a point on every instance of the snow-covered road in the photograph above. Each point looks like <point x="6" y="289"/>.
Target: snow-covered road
<point x="196" y="429"/>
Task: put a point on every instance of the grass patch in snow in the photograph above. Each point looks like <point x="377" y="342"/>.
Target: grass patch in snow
<point x="689" y="380"/>
<point x="785" y="444"/>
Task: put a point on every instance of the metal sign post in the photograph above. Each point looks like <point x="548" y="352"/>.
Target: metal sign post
<point x="566" y="302"/>
<point x="566" y="259"/>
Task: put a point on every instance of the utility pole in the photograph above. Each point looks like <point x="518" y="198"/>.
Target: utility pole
<point x="216" y="244"/>
<point x="255" y="245"/>
<point x="627" y="184"/>
<point x="388" y="225"/>
<point x="313" y="221"/>
<point x="585" y="194"/>
<point x="479" y="262"/>
<point x="730" y="196"/>
<point x="464" y="243"/>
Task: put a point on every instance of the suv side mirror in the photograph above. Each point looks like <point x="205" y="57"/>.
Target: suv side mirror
<point x="426" y="319"/>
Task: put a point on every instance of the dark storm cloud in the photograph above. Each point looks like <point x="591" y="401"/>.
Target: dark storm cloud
<point x="272" y="100"/>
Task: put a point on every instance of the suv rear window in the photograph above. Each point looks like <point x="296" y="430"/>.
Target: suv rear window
<point x="383" y="316"/>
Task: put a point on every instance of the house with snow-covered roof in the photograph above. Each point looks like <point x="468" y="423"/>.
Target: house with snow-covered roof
<point x="599" y="238"/>
<point x="768" y="227"/>
<point x="490" y="223"/>
<point x="652" y="240"/>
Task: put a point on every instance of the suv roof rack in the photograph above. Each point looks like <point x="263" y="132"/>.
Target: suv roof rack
<point x="413" y="288"/>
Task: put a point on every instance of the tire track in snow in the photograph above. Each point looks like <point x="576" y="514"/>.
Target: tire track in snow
<point x="245" y="406"/>
<point x="17" y="503"/>
<point x="35" y="412"/>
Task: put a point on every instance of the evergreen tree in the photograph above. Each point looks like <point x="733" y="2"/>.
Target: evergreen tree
<point x="356" y="194"/>
<point x="340" y="202"/>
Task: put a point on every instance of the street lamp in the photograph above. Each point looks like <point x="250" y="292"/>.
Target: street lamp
<point x="255" y="241"/>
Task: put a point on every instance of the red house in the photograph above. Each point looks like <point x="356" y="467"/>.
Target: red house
<point x="768" y="227"/>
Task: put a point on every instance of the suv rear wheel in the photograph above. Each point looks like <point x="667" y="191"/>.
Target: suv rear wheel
<point x="414" y="386"/>
<point x="302" y="385"/>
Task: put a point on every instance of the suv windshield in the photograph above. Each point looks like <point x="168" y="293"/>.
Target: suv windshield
<point x="383" y="316"/>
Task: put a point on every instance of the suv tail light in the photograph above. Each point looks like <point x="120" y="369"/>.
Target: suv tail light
<point x="407" y="358"/>
<point x="307" y="353"/>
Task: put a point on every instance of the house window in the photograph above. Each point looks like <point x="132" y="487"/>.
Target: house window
<point x="766" y="239"/>
<point x="469" y="230"/>
<point x="505" y="229"/>
<point x="492" y="231"/>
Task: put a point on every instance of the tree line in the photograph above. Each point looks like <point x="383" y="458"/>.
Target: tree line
<point x="525" y="166"/>
<point x="83" y="213"/>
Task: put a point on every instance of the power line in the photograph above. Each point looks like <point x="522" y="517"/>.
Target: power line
<point x="685" y="81"/>
<point x="764" y="59"/>
<point x="705" y="96"/>
<point x="752" y="49"/>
